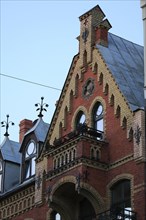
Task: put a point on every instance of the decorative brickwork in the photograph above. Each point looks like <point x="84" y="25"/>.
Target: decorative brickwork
<point x="17" y="204"/>
<point x="139" y="135"/>
<point x="41" y="169"/>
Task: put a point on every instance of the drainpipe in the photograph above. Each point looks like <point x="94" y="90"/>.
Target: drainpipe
<point x="143" y="6"/>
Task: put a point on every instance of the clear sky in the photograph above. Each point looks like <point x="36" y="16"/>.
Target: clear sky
<point x="38" y="42"/>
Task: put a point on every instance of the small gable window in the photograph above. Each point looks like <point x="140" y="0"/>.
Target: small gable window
<point x="30" y="156"/>
<point x="98" y="116"/>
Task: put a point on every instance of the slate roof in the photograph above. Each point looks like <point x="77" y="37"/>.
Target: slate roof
<point x="40" y="129"/>
<point x="125" y="61"/>
<point x="10" y="151"/>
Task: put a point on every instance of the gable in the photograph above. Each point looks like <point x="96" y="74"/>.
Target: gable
<point x="103" y="59"/>
<point x="73" y="98"/>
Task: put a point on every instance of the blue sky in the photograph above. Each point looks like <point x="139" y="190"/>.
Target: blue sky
<point x="38" y="42"/>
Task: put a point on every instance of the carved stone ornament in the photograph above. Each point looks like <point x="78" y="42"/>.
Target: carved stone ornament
<point x="137" y="134"/>
<point x="88" y="88"/>
<point x="85" y="35"/>
<point x="38" y="181"/>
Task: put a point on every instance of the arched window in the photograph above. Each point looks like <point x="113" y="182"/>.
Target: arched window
<point x="57" y="217"/>
<point x="30" y="156"/>
<point x="121" y="195"/>
<point x="80" y="119"/>
<point x="98" y="116"/>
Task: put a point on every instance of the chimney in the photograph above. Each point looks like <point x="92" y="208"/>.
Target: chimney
<point x="101" y="33"/>
<point x="24" y="125"/>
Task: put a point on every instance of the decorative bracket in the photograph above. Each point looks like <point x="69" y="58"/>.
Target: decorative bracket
<point x="80" y="177"/>
<point x="137" y="134"/>
<point x="38" y="181"/>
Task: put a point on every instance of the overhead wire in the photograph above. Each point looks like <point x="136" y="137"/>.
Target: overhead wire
<point x="28" y="81"/>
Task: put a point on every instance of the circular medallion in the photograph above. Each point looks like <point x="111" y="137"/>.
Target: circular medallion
<point x="88" y="88"/>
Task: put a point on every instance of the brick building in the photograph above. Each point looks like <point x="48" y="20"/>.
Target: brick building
<point x="89" y="163"/>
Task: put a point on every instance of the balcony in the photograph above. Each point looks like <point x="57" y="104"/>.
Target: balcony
<point x="117" y="214"/>
<point x="82" y="130"/>
<point x="82" y="146"/>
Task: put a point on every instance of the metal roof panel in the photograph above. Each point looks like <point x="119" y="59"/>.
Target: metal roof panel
<point x="125" y="61"/>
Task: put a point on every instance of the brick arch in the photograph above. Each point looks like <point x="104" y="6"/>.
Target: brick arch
<point x="94" y="197"/>
<point x="66" y="179"/>
<point x="118" y="178"/>
<point x="57" y="205"/>
<point x="80" y="108"/>
<point x="86" y="191"/>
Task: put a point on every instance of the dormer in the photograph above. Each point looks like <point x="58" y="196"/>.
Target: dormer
<point x="10" y="160"/>
<point x="32" y="145"/>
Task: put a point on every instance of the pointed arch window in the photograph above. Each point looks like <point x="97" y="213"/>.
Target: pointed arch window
<point x="98" y="116"/>
<point x="30" y="156"/>
<point x="80" y="119"/>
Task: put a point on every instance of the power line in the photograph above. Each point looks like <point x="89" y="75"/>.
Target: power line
<point x="27" y="81"/>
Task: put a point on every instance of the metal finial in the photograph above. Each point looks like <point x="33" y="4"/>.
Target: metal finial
<point x="6" y="124"/>
<point x="41" y="108"/>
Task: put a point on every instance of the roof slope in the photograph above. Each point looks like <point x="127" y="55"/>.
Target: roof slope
<point x="10" y="150"/>
<point x="40" y="129"/>
<point x="125" y="61"/>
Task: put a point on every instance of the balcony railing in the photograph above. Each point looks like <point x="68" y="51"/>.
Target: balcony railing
<point x="82" y="130"/>
<point x="117" y="214"/>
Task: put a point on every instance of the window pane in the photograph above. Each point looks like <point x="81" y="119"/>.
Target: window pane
<point x="27" y="169"/>
<point x="57" y="217"/>
<point x="121" y="194"/>
<point x="100" y="125"/>
<point x="99" y="110"/>
<point x="82" y="119"/>
<point x="31" y="149"/>
<point x="0" y="165"/>
<point x="33" y="166"/>
<point x="0" y="182"/>
<point x="98" y="116"/>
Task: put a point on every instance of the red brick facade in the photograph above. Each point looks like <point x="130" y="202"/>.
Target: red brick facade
<point x="79" y="171"/>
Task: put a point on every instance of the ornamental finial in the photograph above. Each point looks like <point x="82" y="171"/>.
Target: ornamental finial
<point x="41" y="108"/>
<point x="6" y="124"/>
